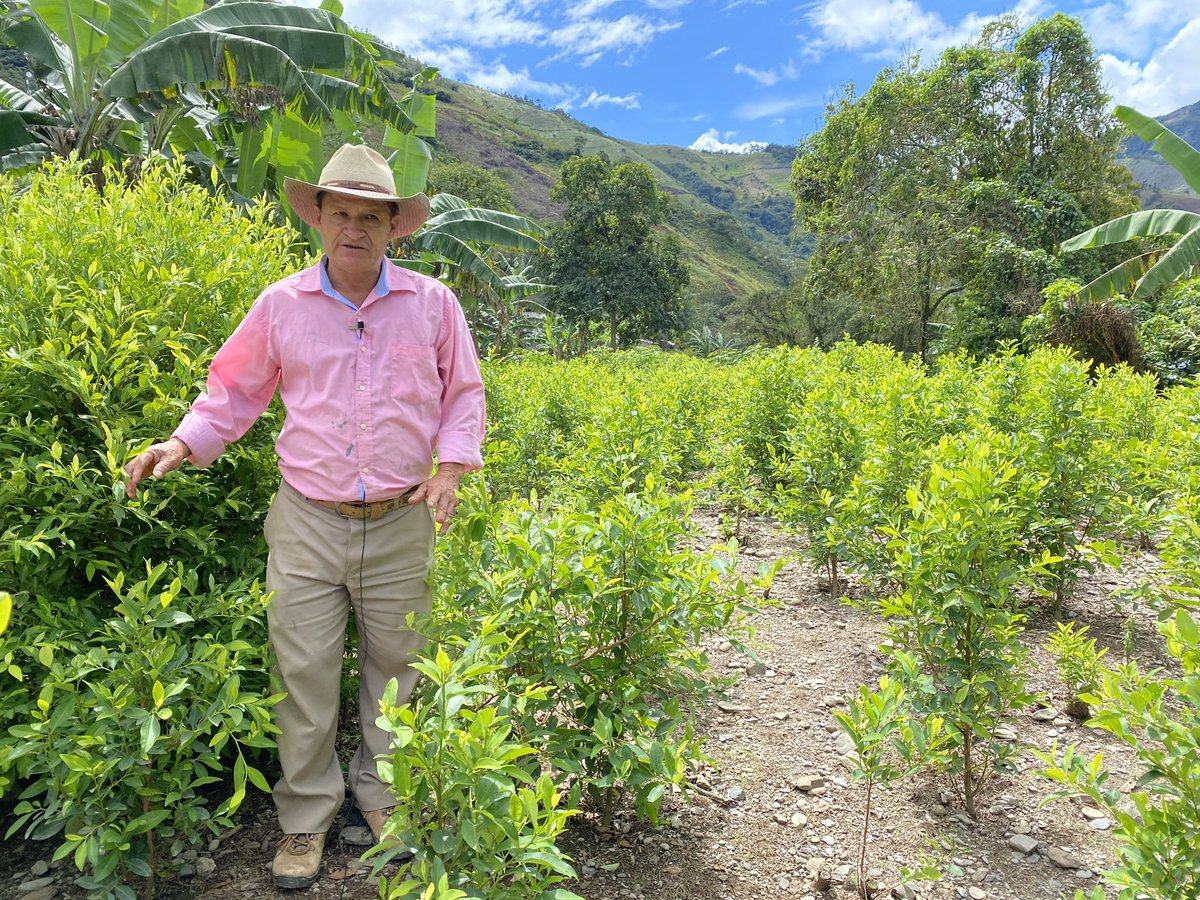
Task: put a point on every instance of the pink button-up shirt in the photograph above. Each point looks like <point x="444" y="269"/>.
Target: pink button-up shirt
<point x="370" y="394"/>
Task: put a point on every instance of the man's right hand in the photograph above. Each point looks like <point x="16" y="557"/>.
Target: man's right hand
<point x="156" y="460"/>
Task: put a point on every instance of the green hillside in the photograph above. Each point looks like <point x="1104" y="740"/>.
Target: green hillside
<point x="732" y="213"/>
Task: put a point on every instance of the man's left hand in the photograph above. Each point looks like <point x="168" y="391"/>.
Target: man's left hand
<point x="438" y="493"/>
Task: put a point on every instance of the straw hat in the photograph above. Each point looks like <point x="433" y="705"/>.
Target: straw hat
<point x="357" y="171"/>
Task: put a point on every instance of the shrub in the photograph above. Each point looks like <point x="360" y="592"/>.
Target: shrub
<point x="611" y="603"/>
<point x="120" y="707"/>
<point x="470" y="805"/>
<point x="131" y="723"/>
<point x="1078" y="664"/>
<point x="110" y="308"/>
<point x="956" y="622"/>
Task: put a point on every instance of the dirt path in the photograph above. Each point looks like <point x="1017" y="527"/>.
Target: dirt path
<point x="789" y="808"/>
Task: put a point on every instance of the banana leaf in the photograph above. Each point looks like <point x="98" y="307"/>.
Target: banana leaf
<point x="14" y="131"/>
<point x="1120" y="279"/>
<point x="1182" y="156"/>
<point x="1146" y="223"/>
<point x="1180" y="261"/>
<point x="486" y="226"/>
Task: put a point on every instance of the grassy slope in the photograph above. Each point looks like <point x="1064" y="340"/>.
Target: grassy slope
<point x="732" y="214"/>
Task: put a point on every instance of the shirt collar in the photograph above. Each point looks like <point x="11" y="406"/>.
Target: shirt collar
<point x="391" y="278"/>
<point x="381" y="283"/>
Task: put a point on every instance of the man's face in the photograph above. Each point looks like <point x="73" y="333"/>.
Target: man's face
<point x="354" y="232"/>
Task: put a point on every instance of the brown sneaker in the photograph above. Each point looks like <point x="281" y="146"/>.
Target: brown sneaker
<point x="297" y="860"/>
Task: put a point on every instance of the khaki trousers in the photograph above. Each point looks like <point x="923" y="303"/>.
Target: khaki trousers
<point x="314" y="570"/>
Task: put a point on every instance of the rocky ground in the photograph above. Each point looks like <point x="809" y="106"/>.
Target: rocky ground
<point x="779" y="816"/>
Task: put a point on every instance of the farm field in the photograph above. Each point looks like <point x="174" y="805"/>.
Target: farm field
<point x="772" y="732"/>
<point x="602" y="642"/>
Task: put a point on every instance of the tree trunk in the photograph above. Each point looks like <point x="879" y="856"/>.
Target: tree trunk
<point x="612" y="329"/>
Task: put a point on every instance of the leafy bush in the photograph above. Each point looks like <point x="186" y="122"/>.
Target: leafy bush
<point x="470" y="806"/>
<point x="611" y="603"/>
<point x="1159" y="717"/>
<point x="110" y="308"/>
<point x="131" y="722"/>
<point x="960" y="658"/>
<point x="122" y="707"/>
<point x="1078" y="664"/>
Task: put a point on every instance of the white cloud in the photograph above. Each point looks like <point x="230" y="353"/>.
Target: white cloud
<point x="588" y="8"/>
<point x="590" y="39"/>
<point x="717" y="52"/>
<point x="710" y="142"/>
<point x="887" y="28"/>
<point x="440" y="30"/>
<point x="501" y="78"/>
<point x="774" y="107"/>
<point x="1168" y="80"/>
<point x="629" y="101"/>
<point x="420" y="28"/>
<point x="1135" y="27"/>
<point x="767" y="78"/>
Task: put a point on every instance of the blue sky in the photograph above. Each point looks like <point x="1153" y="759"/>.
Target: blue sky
<point x="722" y="74"/>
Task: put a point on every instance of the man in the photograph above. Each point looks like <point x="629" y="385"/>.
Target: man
<point x="377" y="372"/>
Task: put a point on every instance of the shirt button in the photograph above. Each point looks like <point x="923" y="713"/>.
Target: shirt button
<point x="365" y="470"/>
<point x="362" y="387"/>
<point x="362" y="426"/>
<point x="362" y="349"/>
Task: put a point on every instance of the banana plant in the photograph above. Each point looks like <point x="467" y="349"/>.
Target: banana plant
<point x="459" y="243"/>
<point x="1147" y="272"/>
<point x="113" y="79"/>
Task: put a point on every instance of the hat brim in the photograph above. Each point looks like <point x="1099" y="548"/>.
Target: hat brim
<point x="302" y="198"/>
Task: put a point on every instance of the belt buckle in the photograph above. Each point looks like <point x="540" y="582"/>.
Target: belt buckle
<point x="349" y="509"/>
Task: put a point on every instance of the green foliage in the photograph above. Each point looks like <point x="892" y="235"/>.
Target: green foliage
<point x="939" y="195"/>
<point x="610" y="603"/>
<point x="890" y="743"/>
<point x="1142" y="275"/>
<point x="111" y="317"/>
<point x="961" y="658"/>
<point x="1159" y="718"/>
<point x="822" y="454"/>
<point x="110" y="310"/>
<point x="607" y="263"/>
<point x="131" y="721"/>
<point x="476" y="185"/>
<point x="1156" y="714"/>
<point x="242" y="89"/>
<point x="1169" y="332"/>
<point x="1077" y="658"/>
<point x="470" y="804"/>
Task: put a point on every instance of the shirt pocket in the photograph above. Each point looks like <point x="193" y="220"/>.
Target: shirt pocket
<point x="412" y="376"/>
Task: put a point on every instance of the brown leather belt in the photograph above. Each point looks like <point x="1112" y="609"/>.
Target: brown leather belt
<point x="374" y="509"/>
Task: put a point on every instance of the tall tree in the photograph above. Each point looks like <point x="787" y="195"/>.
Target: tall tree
<point x="939" y="197"/>
<point x="608" y="263"/>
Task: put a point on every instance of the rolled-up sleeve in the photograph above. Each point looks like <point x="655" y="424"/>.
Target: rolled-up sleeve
<point x="460" y="435"/>
<point x="241" y="381"/>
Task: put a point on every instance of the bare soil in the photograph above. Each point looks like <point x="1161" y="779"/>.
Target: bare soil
<point x="748" y="832"/>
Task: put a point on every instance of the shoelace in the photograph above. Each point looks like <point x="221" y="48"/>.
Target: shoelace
<point x="297" y="844"/>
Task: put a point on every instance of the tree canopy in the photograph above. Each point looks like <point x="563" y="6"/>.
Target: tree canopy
<point x="940" y="196"/>
<point x="474" y="184"/>
<point x="608" y="263"/>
